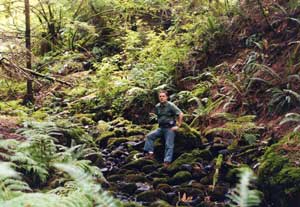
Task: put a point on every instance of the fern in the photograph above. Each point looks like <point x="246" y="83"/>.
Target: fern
<point x="219" y="161"/>
<point x="291" y="117"/>
<point x="10" y="185"/>
<point x="242" y="195"/>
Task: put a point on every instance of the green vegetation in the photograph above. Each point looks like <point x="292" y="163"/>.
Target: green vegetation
<point x="78" y="101"/>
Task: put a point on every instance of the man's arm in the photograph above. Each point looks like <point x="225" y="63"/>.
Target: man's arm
<point x="179" y="119"/>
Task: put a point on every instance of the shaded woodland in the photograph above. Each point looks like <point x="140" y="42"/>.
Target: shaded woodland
<point x="79" y="83"/>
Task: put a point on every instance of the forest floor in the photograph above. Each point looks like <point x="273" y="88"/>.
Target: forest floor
<point x="8" y="127"/>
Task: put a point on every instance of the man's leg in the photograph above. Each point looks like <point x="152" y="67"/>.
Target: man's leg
<point x="169" y="144"/>
<point x="150" y="138"/>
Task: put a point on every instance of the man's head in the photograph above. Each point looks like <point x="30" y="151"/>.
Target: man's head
<point x="163" y="96"/>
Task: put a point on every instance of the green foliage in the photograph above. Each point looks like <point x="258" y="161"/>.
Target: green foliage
<point x="218" y="166"/>
<point x="278" y="175"/>
<point x="237" y="126"/>
<point x="14" y="108"/>
<point x="203" y="111"/>
<point x="242" y="195"/>
<point x="282" y="100"/>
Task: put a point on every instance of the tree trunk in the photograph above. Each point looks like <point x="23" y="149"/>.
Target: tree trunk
<point x="29" y="94"/>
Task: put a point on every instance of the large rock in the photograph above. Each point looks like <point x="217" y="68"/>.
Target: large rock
<point x="151" y="196"/>
<point x="195" y="156"/>
<point x="279" y="172"/>
<point x="186" y="140"/>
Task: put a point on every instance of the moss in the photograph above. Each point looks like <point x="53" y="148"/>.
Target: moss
<point x="39" y="115"/>
<point x="279" y="173"/>
<point x="102" y="140"/>
<point x="120" y="122"/>
<point x="102" y="126"/>
<point x="151" y="196"/>
<point x="85" y="119"/>
<point x="158" y="181"/>
<point x="79" y="135"/>
<point x="136" y="178"/>
<point x="128" y="188"/>
<point x="164" y="187"/>
<point x="114" y="178"/>
<point x="138" y="164"/>
<point x="190" y="158"/>
<point x="180" y="177"/>
<point x="160" y="204"/>
<point x="113" y="142"/>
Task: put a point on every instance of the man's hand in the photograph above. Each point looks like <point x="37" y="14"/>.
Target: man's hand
<point x="174" y="128"/>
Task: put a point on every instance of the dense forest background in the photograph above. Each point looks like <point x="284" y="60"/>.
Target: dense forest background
<point x="79" y="82"/>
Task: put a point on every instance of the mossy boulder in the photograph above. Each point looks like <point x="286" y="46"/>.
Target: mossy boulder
<point x="128" y="188"/>
<point x="138" y="164"/>
<point x="164" y="187"/>
<point x="158" y="181"/>
<point x="136" y="178"/>
<point x="151" y="196"/>
<point x="102" y="140"/>
<point x="103" y="126"/>
<point x="180" y="177"/>
<point x="160" y="204"/>
<point x="186" y="139"/>
<point x="85" y="119"/>
<point x="194" y="156"/>
<point x="279" y="172"/>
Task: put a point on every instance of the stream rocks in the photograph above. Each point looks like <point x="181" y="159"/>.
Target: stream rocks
<point x="133" y="178"/>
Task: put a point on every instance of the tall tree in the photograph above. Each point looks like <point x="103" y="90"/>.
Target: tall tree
<point x="29" y="94"/>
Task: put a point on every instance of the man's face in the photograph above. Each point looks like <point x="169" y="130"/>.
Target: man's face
<point x="163" y="98"/>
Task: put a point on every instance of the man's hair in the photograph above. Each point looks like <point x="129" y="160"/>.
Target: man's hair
<point x="163" y="91"/>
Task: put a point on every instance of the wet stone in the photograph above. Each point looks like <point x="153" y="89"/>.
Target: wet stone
<point x="128" y="188"/>
<point x="151" y="196"/>
<point x="164" y="187"/>
<point x="180" y="177"/>
<point x="142" y="187"/>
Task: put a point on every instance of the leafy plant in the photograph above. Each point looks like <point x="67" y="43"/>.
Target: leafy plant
<point x="242" y="195"/>
<point x="236" y="126"/>
<point x="201" y="113"/>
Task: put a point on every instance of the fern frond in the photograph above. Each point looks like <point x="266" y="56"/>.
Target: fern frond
<point x="242" y="196"/>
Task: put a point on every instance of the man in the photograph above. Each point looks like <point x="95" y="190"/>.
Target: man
<point x="167" y="113"/>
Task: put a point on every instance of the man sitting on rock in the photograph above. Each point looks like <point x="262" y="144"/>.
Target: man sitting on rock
<point x="167" y="113"/>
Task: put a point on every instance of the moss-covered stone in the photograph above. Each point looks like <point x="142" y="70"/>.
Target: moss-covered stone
<point x="85" y="119"/>
<point x="164" y="187"/>
<point x="190" y="158"/>
<point x="114" y="178"/>
<point x="157" y="181"/>
<point x="279" y="172"/>
<point x="128" y="188"/>
<point x="138" y="164"/>
<point x="151" y="196"/>
<point x="136" y="178"/>
<point x="180" y="177"/>
<point x="103" y="126"/>
<point x="160" y="204"/>
<point x="120" y="122"/>
<point x="114" y="142"/>
<point x="149" y="168"/>
<point x="102" y="140"/>
<point x="186" y="140"/>
<point x="78" y="135"/>
<point x="191" y="191"/>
